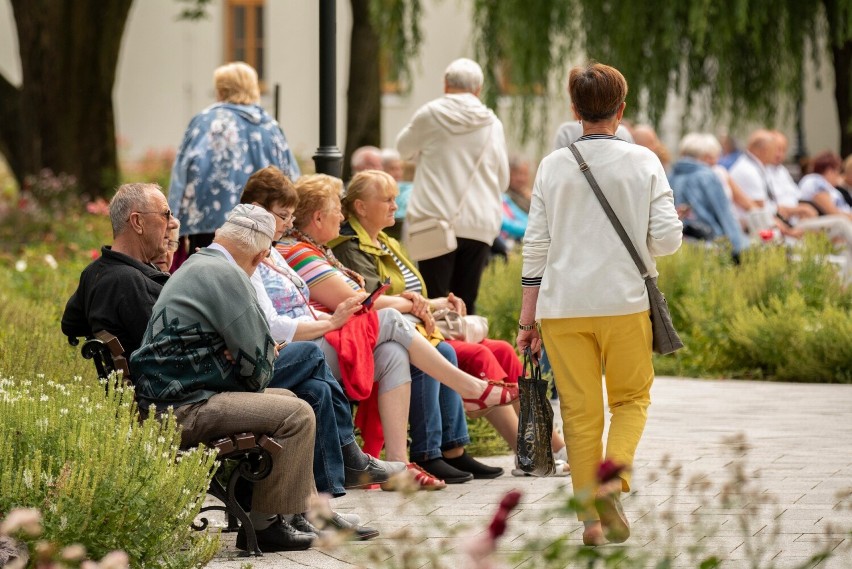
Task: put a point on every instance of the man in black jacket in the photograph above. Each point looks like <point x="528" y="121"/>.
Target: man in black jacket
<point x="117" y="291"/>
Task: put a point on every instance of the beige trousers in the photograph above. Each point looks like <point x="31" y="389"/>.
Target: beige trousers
<point x="275" y="412"/>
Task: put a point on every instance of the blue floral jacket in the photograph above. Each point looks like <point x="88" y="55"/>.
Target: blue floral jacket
<point x="224" y="144"/>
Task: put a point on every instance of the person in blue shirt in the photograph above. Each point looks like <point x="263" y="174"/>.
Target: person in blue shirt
<point x="223" y="145"/>
<point x="696" y="184"/>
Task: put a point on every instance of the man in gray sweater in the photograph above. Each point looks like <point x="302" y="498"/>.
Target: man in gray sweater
<point x="208" y="354"/>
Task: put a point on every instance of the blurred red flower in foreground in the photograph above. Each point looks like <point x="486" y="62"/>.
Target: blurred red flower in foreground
<point x="94" y="254"/>
<point x="482" y="547"/>
<point x="609" y="470"/>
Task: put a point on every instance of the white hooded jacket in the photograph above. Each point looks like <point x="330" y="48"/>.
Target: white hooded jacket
<point x="446" y="138"/>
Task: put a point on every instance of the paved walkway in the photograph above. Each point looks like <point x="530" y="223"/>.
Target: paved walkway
<point x="784" y="505"/>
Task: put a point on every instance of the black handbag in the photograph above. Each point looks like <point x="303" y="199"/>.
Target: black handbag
<point x="666" y="340"/>
<point x="535" y="423"/>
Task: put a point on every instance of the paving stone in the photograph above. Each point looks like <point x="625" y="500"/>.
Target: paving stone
<point x="801" y="454"/>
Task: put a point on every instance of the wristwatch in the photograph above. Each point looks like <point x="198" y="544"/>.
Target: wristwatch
<point x="526" y="327"/>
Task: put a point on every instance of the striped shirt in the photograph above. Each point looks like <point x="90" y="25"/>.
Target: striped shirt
<point x="412" y="283"/>
<point x="312" y="266"/>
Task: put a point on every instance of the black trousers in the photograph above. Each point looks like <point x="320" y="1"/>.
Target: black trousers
<point x="458" y="272"/>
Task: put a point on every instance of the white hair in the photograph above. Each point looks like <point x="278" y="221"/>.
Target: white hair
<point x="699" y="145"/>
<point x="127" y="199"/>
<point x="464" y="74"/>
<point x="359" y="157"/>
<point x="251" y="241"/>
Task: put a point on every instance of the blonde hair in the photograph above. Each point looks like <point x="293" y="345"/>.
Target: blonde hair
<point x="364" y="184"/>
<point x="237" y="83"/>
<point x="316" y="193"/>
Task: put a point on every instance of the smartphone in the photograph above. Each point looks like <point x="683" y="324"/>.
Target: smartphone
<point x="380" y="290"/>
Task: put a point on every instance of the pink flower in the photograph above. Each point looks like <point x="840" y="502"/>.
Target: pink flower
<point x="95" y="254"/>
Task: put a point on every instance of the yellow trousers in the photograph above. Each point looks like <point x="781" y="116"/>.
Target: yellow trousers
<point x="579" y="350"/>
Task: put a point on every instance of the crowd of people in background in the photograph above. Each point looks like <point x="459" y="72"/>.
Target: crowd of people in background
<point x="255" y="305"/>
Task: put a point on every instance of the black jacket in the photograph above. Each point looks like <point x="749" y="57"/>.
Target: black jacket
<point x="116" y="293"/>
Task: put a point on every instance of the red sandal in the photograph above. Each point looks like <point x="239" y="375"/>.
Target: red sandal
<point x="413" y="478"/>
<point x="508" y="393"/>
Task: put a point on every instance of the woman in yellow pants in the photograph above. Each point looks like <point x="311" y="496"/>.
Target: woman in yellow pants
<point x="581" y="284"/>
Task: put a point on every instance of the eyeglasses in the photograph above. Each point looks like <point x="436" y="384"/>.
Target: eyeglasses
<point x="166" y="214"/>
<point x="173" y="245"/>
<point x="287" y="217"/>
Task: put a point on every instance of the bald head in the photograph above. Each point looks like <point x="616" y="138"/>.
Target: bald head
<point x="645" y="135"/>
<point x="762" y="144"/>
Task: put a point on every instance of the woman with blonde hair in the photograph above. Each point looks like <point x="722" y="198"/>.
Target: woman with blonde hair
<point x="316" y="221"/>
<point x="582" y="287"/>
<point x="223" y="145"/>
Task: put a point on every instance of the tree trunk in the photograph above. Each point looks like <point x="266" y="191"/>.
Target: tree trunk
<point x="363" y="98"/>
<point x="842" y="59"/>
<point x="61" y="116"/>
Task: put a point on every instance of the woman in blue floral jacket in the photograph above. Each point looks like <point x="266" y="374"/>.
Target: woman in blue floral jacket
<point x="224" y="144"/>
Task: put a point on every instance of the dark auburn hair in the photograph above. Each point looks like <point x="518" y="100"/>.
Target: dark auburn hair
<point x="825" y="161"/>
<point x="268" y="187"/>
<point x="597" y="90"/>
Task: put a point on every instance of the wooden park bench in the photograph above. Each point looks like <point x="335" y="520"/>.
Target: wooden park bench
<point x="245" y="456"/>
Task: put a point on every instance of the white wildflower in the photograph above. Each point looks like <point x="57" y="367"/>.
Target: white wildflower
<point x="63" y="522"/>
<point x="161" y="439"/>
<point x="43" y="397"/>
<point x="28" y="478"/>
<point x="20" y="265"/>
<point x="63" y="411"/>
<point x="51" y="262"/>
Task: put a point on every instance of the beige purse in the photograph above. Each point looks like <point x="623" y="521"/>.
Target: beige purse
<point x="454" y="326"/>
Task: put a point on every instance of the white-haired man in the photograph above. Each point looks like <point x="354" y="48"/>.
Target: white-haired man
<point x="118" y="290"/>
<point x="462" y="171"/>
<point x="366" y="158"/>
<point x="208" y="354"/>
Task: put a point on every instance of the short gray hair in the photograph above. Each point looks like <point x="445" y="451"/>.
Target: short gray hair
<point x="249" y="233"/>
<point x="464" y="74"/>
<point x="699" y="145"/>
<point x="127" y="199"/>
<point x="359" y="157"/>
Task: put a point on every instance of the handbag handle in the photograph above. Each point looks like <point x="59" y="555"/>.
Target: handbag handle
<point x="530" y="364"/>
<point x="619" y="228"/>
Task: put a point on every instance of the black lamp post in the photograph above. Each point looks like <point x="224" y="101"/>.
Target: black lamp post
<point x="328" y="158"/>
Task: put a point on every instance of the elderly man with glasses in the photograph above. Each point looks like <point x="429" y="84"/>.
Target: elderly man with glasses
<point x="117" y="291"/>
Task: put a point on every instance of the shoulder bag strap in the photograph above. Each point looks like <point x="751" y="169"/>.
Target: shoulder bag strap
<point x="472" y="174"/>
<point x="584" y="168"/>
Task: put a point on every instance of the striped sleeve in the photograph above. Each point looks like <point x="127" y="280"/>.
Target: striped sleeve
<point x="312" y="267"/>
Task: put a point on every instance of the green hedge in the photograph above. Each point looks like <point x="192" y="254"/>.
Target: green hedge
<point x="782" y="314"/>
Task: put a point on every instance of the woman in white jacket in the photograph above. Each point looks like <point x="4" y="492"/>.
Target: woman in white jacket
<point x="581" y="284"/>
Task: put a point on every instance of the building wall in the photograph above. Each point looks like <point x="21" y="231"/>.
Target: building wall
<point x="165" y="76"/>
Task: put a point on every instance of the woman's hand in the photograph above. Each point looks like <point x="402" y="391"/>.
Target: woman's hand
<point x="457" y="304"/>
<point x="345" y="310"/>
<point x="419" y="303"/>
<point x="529" y="339"/>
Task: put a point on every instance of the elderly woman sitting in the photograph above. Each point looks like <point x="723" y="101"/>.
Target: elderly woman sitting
<point x="369" y="206"/>
<point x="293" y="319"/>
<point x="317" y="221"/>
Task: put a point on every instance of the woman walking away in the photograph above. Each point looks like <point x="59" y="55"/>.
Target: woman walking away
<point x="581" y="284"/>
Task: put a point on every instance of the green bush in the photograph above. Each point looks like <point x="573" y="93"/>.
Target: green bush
<point x="781" y="314"/>
<point x="102" y="479"/>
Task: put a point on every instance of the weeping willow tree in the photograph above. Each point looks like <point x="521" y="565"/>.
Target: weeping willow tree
<point x="741" y="59"/>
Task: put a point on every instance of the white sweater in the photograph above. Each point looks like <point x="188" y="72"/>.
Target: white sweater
<point x="570" y="247"/>
<point x="446" y="138"/>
